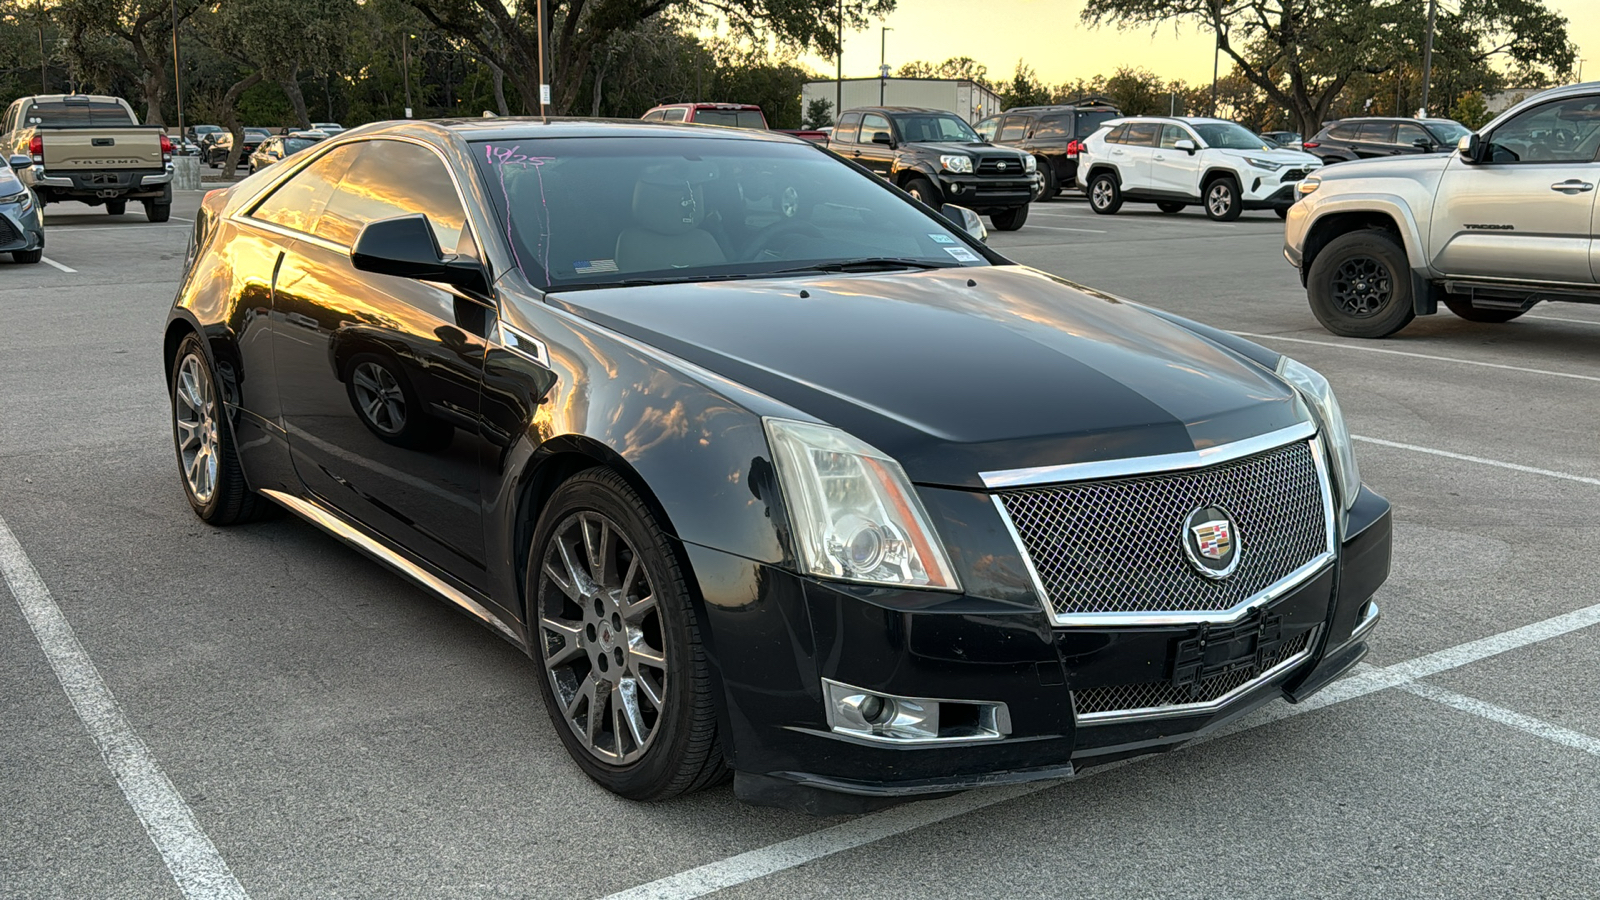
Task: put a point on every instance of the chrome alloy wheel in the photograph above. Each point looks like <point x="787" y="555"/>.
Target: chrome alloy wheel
<point x="382" y="401"/>
<point x="194" y="413"/>
<point x="1362" y="286"/>
<point x="604" y="650"/>
<point x="1100" y="194"/>
<point x="1220" y="198"/>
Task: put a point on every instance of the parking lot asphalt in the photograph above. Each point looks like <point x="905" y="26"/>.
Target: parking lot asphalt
<point x="298" y="722"/>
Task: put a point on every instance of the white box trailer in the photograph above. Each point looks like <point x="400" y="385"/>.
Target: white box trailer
<point x="967" y="99"/>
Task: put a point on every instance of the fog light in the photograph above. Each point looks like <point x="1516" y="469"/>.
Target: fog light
<point x="911" y="720"/>
<point x="955" y="188"/>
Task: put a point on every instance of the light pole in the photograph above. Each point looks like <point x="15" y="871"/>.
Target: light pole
<point x="838" y="82"/>
<point x="44" y="79"/>
<point x="177" y="71"/>
<point x="1427" y="55"/>
<point x="883" y="62"/>
<point x="1216" y="59"/>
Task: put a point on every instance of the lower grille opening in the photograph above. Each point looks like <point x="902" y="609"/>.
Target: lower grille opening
<point x="1162" y="698"/>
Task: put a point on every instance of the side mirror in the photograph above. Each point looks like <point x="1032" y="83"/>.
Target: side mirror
<point x="882" y="137"/>
<point x="1470" y="146"/>
<point x="405" y="246"/>
<point x="1186" y="146"/>
<point x="1423" y="144"/>
<point x="966" y="220"/>
<point x="19" y="161"/>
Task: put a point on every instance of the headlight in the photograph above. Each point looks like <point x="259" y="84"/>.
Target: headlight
<point x="853" y="513"/>
<point x="1319" y="396"/>
<point x="24" y="198"/>
<point x="1267" y="164"/>
<point x="956" y="162"/>
<point x="1030" y="165"/>
<point x="1308" y="184"/>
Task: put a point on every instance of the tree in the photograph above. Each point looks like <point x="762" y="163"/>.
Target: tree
<point x="577" y="31"/>
<point x="1302" y="53"/>
<point x="144" y="25"/>
<point x="1137" y="92"/>
<point x="1024" y="89"/>
<point x="963" y="68"/>
<point x="1471" y="110"/>
<point x="819" y="114"/>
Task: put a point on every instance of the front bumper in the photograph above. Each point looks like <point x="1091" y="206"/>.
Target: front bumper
<point x="774" y="636"/>
<point x="981" y="192"/>
<point x="1266" y="197"/>
<point x="20" y="230"/>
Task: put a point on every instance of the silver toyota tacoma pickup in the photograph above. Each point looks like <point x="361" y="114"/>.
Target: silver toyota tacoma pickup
<point x="1505" y="221"/>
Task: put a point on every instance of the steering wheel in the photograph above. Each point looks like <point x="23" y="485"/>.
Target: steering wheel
<point x="770" y="235"/>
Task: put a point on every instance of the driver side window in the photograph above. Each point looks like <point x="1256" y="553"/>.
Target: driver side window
<point x="1563" y="131"/>
<point x="987" y="128"/>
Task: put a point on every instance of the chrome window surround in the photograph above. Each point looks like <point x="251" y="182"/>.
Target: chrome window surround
<point x="1150" y="465"/>
<point x="1209" y="706"/>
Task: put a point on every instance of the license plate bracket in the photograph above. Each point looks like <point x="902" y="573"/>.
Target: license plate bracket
<point x="1217" y="650"/>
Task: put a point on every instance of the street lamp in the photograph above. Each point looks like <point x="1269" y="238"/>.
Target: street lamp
<point x="883" y="62"/>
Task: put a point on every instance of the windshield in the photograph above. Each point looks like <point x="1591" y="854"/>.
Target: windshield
<point x="1448" y="132"/>
<point x="1228" y="136"/>
<point x="256" y="134"/>
<point x="295" y="145"/>
<point x="1088" y="122"/>
<point x="935" y="128"/>
<point x="731" y="118"/>
<point x="604" y="211"/>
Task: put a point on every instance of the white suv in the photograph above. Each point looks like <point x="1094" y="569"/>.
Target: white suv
<point x="1173" y="162"/>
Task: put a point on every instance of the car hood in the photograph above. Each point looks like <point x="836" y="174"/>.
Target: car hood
<point x="1410" y="165"/>
<point x="1291" y="157"/>
<point x="976" y="150"/>
<point x="954" y="372"/>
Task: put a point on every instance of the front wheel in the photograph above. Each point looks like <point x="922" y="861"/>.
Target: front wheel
<point x="212" y="478"/>
<point x="1171" y="206"/>
<point x="1222" y="200"/>
<point x="27" y="256"/>
<point x="1360" y="285"/>
<point x="923" y="190"/>
<point x="1105" y="195"/>
<point x="626" y="681"/>
<point x="1463" y="307"/>
<point x="1009" y="220"/>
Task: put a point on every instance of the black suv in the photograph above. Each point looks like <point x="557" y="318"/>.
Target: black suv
<point x="936" y="157"/>
<point x="1053" y="134"/>
<point x="1349" y="139"/>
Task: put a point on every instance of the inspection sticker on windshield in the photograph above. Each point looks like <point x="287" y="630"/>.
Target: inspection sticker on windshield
<point x="594" y="266"/>
<point x="962" y="254"/>
<point x="942" y="239"/>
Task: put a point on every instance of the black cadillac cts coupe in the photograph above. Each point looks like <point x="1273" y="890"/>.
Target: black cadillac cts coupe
<point x="770" y="469"/>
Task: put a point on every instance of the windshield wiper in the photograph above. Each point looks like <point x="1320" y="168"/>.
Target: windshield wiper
<point x="868" y="264"/>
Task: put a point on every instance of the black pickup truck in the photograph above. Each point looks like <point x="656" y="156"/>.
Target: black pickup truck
<point x="936" y="157"/>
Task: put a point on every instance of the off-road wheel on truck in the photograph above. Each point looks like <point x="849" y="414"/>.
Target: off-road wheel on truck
<point x="1010" y="219"/>
<point x="1463" y="307"/>
<point x="1360" y="285"/>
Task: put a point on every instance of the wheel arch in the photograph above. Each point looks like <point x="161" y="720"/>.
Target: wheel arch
<point x="1215" y="172"/>
<point x="1096" y="169"/>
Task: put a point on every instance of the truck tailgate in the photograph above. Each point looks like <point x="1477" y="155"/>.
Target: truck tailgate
<point x="96" y="148"/>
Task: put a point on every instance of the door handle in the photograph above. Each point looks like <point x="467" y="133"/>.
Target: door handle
<point x="1159" y="156"/>
<point x="1572" y="187"/>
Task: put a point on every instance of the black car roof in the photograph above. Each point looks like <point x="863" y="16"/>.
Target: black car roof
<point x="531" y="127"/>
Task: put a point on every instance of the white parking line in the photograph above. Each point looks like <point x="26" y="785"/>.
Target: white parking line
<point x="1064" y="228"/>
<point x="1539" y="728"/>
<point x="1564" y="319"/>
<point x="744" y="867"/>
<point x="1515" y="467"/>
<point x="68" y="269"/>
<point x="1465" y="362"/>
<point x="190" y="856"/>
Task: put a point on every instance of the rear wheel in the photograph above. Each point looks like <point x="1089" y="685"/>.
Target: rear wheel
<point x="157" y="212"/>
<point x="923" y="189"/>
<point x="212" y="478"/>
<point x="1171" y="206"/>
<point x="116" y="207"/>
<point x="1463" y="307"/>
<point x="1010" y="219"/>
<point x="626" y="681"/>
<point x="1105" y="195"/>
<point x="1360" y="285"/>
<point x="1282" y="211"/>
<point x="1049" y="187"/>
<point x="1222" y="199"/>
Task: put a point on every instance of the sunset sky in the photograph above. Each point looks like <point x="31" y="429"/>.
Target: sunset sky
<point x="1048" y="35"/>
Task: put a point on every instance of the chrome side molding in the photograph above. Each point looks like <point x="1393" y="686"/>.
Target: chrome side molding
<point x="357" y="537"/>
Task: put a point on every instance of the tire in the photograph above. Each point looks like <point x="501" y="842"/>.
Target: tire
<point x="571" y="598"/>
<point x="1050" y="187"/>
<point x="157" y="212"/>
<point x="208" y="466"/>
<point x="385" y="401"/>
<point x="1463" y="307"/>
<point x="923" y="189"/>
<point x="27" y="256"/>
<point x="1171" y="206"/>
<point x="1010" y="219"/>
<point x="116" y="207"/>
<point x="1222" y="199"/>
<point x="1360" y="285"/>
<point x="1105" y="194"/>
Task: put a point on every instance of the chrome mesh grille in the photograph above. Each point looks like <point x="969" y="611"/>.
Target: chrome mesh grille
<point x="1116" y="546"/>
<point x="1125" y="698"/>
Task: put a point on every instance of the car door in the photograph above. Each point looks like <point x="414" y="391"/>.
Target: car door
<point x="1173" y="171"/>
<point x="1527" y="211"/>
<point x="1375" y="139"/>
<point x="1048" y="142"/>
<point x="842" y="139"/>
<point x="988" y="128"/>
<point x="379" y="376"/>
<point x="1134" y="155"/>
<point x="877" y="157"/>
<point x="1409" y="138"/>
